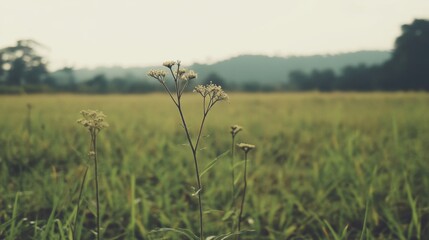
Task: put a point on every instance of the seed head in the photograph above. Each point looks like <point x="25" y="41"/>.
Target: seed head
<point x="188" y="75"/>
<point x="181" y="71"/>
<point x="214" y="91"/>
<point x="93" y="120"/>
<point x="235" y="129"/>
<point x="169" y="64"/>
<point x="245" y="147"/>
<point x="157" y="74"/>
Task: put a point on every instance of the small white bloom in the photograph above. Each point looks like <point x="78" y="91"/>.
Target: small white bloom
<point x="245" y="147"/>
<point x="157" y="74"/>
<point x="169" y="64"/>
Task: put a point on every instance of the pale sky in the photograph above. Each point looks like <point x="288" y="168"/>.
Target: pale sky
<point x="90" y="33"/>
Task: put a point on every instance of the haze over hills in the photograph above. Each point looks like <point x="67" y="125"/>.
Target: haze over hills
<point x="251" y="68"/>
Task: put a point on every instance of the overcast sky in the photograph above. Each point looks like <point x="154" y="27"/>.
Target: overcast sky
<point x="90" y="33"/>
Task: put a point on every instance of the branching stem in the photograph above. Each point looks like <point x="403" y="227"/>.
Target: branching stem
<point x="194" y="153"/>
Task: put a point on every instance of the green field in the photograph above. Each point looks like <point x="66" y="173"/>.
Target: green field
<point x="326" y="166"/>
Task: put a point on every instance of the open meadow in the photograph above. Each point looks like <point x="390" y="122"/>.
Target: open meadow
<point x="325" y="166"/>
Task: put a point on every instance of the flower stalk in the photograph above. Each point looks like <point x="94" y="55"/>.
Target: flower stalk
<point x="246" y="148"/>
<point x="94" y="121"/>
<point x="211" y="95"/>
<point x="235" y="129"/>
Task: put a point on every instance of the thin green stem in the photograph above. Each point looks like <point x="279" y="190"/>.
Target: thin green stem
<point x="176" y="81"/>
<point x="197" y="172"/>
<point x="233" y="177"/>
<point x="184" y="87"/>
<point x="201" y="130"/>
<point x="232" y="167"/>
<point x="244" y="193"/>
<point x="94" y="149"/>
<point x="169" y="93"/>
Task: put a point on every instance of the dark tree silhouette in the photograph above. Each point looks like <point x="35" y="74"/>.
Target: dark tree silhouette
<point x="22" y="64"/>
<point x="299" y="80"/>
<point x="323" y="80"/>
<point x="98" y="83"/>
<point x="2" y="65"/>
<point x="216" y="79"/>
<point x="358" y="78"/>
<point x="408" y="68"/>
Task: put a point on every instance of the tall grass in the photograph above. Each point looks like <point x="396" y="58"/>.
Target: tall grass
<point x="312" y="176"/>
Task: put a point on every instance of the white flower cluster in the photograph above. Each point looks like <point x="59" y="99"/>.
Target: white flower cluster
<point x="179" y="74"/>
<point x="188" y="75"/>
<point x="93" y="120"/>
<point x="169" y="64"/>
<point x="214" y="92"/>
<point x="157" y="74"/>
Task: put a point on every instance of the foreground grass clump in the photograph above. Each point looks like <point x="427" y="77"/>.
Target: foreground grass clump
<point x="328" y="166"/>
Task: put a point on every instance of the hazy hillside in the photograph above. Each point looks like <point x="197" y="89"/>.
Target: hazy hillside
<point x="249" y="68"/>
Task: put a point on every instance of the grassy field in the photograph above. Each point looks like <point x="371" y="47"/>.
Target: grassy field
<point x="326" y="166"/>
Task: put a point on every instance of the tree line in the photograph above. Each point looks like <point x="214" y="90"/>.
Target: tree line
<point x="23" y="69"/>
<point x="407" y="69"/>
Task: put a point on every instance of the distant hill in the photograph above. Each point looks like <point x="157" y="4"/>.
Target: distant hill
<point x="251" y="68"/>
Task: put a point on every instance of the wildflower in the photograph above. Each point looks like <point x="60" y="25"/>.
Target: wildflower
<point x="188" y="75"/>
<point x="169" y="64"/>
<point x="157" y="74"/>
<point x="181" y="76"/>
<point x="235" y="129"/>
<point x="214" y="91"/>
<point x="201" y="90"/>
<point x="181" y="71"/>
<point x="246" y="147"/>
<point x="93" y="120"/>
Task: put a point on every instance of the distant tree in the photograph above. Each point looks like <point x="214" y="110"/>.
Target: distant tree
<point x="16" y="73"/>
<point x="22" y="64"/>
<point x="50" y="81"/>
<point x="2" y="66"/>
<point x="216" y="79"/>
<point x="299" y="80"/>
<point x="34" y="74"/>
<point x="66" y="79"/>
<point x="323" y="80"/>
<point x="98" y="83"/>
<point x="358" y="78"/>
<point x="408" y="68"/>
<point x="252" y="87"/>
<point x="69" y="75"/>
<point x="118" y="85"/>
